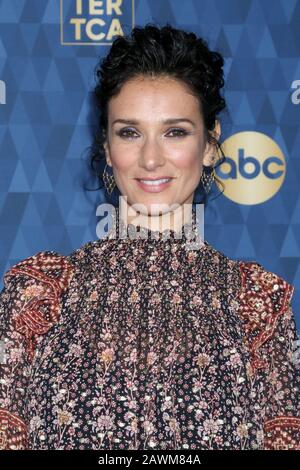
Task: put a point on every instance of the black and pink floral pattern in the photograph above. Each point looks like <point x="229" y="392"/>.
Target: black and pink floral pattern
<point x="144" y="344"/>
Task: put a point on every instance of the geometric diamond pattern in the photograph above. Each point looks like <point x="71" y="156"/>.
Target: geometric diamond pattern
<point x="47" y="122"/>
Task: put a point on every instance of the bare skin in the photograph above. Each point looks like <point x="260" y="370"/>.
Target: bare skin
<point x="151" y="148"/>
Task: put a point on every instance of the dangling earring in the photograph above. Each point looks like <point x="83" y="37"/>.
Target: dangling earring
<point x="208" y="176"/>
<point x="109" y="181"/>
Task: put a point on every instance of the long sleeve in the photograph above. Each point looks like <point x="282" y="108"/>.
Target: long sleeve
<point x="14" y="372"/>
<point x="29" y="307"/>
<point x="271" y="336"/>
<point x="282" y="423"/>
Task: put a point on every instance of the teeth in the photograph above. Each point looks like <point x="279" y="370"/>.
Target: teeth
<point x="155" y="182"/>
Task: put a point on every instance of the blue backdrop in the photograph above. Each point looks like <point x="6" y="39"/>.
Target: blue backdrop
<point x="48" y="51"/>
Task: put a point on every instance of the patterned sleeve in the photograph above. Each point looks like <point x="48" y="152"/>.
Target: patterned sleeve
<point x="29" y="307"/>
<point x="274" y="346"/>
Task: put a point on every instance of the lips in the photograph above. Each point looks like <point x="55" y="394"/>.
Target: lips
<point x="154" y="185"/>
<point x="155" y="182"/>
<point x="154" y="179"/>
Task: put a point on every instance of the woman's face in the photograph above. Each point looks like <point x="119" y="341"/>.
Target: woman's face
<point x="145" y="146"/>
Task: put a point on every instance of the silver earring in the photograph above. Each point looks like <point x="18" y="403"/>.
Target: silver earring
<point x="109" y="181"/>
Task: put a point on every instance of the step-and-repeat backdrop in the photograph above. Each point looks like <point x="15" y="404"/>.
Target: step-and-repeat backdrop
<point x="48" y="52"/>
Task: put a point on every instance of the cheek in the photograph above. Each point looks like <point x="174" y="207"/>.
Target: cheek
<point x="122" y="161"/>
<point x="190" y="162"/>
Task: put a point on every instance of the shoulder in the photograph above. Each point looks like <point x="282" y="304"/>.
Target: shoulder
<point x="31" y="300"/>
<point x="49" y="267"/>
<point x="253" y="280"/>
<point x="262" y="289"/>
<point x="264" y="298"/>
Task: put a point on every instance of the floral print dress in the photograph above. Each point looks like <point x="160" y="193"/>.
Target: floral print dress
<point x="147" y="343"/>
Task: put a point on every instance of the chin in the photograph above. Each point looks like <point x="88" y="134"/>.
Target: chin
<point x="159" y="210"/>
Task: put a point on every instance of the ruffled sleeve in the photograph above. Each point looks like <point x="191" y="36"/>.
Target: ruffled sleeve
<point x="271" y="336"/>
<point x="30" y="305"/>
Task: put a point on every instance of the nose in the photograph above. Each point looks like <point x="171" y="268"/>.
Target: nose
<point x="151" y="156"/>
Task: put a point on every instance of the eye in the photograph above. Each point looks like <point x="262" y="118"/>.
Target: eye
<point x="177" y="130"/>
<point x="125" y="132"/>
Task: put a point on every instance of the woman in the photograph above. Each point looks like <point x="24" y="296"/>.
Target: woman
<point x="149" y="341"/>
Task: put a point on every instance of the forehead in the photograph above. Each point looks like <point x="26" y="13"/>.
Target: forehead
<point x="150" y="97"/>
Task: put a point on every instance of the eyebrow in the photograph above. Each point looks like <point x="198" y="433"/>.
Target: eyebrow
<point x="166" y="121"/>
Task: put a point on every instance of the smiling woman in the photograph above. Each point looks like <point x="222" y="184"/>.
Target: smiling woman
<point x="159" y="96"/>
<point x="156" y="164"/>
<point x="150" y="342"/>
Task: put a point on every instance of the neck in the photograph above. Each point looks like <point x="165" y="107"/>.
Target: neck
<point x="173" y="219"/>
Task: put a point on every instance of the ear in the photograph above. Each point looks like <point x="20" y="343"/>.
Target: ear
<point x="107" y="153"/>
<point x="210" y="149"/>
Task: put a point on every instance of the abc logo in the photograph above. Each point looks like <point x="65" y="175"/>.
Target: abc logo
<point x="254" y="170"/>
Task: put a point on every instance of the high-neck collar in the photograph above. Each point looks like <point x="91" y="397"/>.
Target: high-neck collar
<point x="189" y="232"/>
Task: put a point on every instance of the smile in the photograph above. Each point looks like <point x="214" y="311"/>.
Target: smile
<point x="154" y="186"/>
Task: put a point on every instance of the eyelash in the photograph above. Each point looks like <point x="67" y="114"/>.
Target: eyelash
<point x="121" y="132"/>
